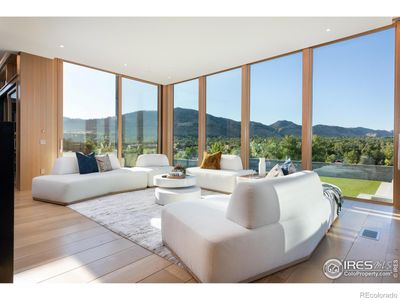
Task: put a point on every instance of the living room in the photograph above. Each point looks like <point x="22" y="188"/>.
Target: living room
<point x="210" y="149"/>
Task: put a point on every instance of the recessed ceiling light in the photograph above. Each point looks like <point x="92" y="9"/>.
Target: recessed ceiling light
<point x="328" y="30"/>
<point x="125" y="65"/>
<point x="169" y="77"/>
<point x="61" y="46"/>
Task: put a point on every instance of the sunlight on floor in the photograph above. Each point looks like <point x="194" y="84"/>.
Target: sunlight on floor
<point x="377" y="214"/>
<point x="48" y="270"/>
<point x="388" y="213"/>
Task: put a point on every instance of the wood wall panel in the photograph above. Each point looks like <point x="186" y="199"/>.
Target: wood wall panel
<point x="245" y="128"/>
<point x="38" y="115"/>
<point x="202" y="118"/>
<point x="306" y="145"/>
<point x="167" y="121"/>
<point x="396" y="171"/>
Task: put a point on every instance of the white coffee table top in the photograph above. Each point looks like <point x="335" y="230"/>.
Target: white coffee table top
<point x="174" y="183"/>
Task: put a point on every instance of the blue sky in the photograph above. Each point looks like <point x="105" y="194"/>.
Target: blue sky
<point x="354" y="82"/>
<point x="352" y="86"/>
<point x="186" y="94"/>
<point x="88" y="93"/>
<point x="224" y="94"/>
<point x="138" y="96"/>
<point x="82" y="84"/>
<point x="276" y="90"/>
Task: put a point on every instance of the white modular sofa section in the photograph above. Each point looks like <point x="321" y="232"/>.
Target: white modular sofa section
<point x="152" y="165"/>
<point x="66" y="185"/>
<point x="223" y="180"/>
<point x="264" y="226"/>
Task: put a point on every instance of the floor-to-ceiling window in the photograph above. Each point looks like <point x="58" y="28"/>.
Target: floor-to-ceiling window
<point x="139" y="120"/>
<point x="186" y="110"/>
<point x="223" y="105"/>
<point x="276" y="110"/>
<point x="89" y="110"/>
<point x="353" y="115"/>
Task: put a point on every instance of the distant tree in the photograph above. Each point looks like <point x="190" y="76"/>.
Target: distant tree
<point x="216" y="147"/>
<point x="330" y="158"/>
<point x="351" y="157"/>
<point x="388" y="153"/>
<point x="319" y="148"/>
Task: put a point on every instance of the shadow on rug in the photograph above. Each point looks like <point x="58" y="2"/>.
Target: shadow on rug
<point x="133" y="215"/>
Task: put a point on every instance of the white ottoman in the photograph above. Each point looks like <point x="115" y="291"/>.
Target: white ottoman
<point x="165" y="196"/>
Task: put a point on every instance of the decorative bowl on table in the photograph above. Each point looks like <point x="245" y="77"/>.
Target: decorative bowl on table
<point x="178" y="172"/>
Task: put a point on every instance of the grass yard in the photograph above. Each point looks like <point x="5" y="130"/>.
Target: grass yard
<point x="353" y="187"/>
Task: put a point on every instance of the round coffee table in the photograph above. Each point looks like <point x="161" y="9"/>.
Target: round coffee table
<point x="171" y="190"/>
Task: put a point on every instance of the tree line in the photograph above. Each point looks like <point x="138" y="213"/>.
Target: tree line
<point x="349" y="150"/>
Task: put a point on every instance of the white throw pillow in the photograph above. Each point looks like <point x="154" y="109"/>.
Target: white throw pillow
<point x="114" y="161"/>
<point x="231" y="162"/>
<point x="65" y="165"/>
<point x="276" y="171"/>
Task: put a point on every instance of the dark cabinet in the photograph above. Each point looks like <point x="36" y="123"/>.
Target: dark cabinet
<point x="6" y="201"/>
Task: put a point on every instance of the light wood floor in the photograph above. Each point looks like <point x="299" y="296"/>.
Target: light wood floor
<point x="56" y="244"/>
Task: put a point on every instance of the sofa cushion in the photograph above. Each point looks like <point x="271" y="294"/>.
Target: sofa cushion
<point x="211" y="161"/>
<point x="65" y="165"/>
<point x="87" y="163"/>
<point x="152" y="160"/>
<point x="262" y="202"/>
<point x="231" y="162"/>
<point x="217" y="180"/>
<point x="114" y="161"/>
<point x="70" y="188"/>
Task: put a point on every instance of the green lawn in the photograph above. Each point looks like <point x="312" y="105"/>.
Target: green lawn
<point x="353" y="187"/>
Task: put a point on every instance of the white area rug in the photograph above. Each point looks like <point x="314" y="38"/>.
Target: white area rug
<point x="133" y="215"/>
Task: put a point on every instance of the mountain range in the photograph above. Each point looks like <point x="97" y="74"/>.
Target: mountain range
<point x="186" y="124"/>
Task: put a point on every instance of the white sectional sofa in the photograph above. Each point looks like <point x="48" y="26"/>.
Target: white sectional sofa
<point x="264" y="226"/>
<point x="152" y="165"/>
<point x="66" y="185"/>
<point x="223" y="180"/>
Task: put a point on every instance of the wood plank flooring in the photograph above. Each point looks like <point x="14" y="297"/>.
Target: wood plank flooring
<point x="55" y="244"/>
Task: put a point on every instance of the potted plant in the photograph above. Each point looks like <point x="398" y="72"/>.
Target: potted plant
<point x="179" y="168"/>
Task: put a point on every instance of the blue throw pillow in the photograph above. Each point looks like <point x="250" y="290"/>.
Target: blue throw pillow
<point x="285" y="166"/>
<point x="87" y="163"/>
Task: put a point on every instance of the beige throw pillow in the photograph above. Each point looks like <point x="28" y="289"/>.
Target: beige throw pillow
<point x="104" y="163"/>
<point x="276" y="171"/>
